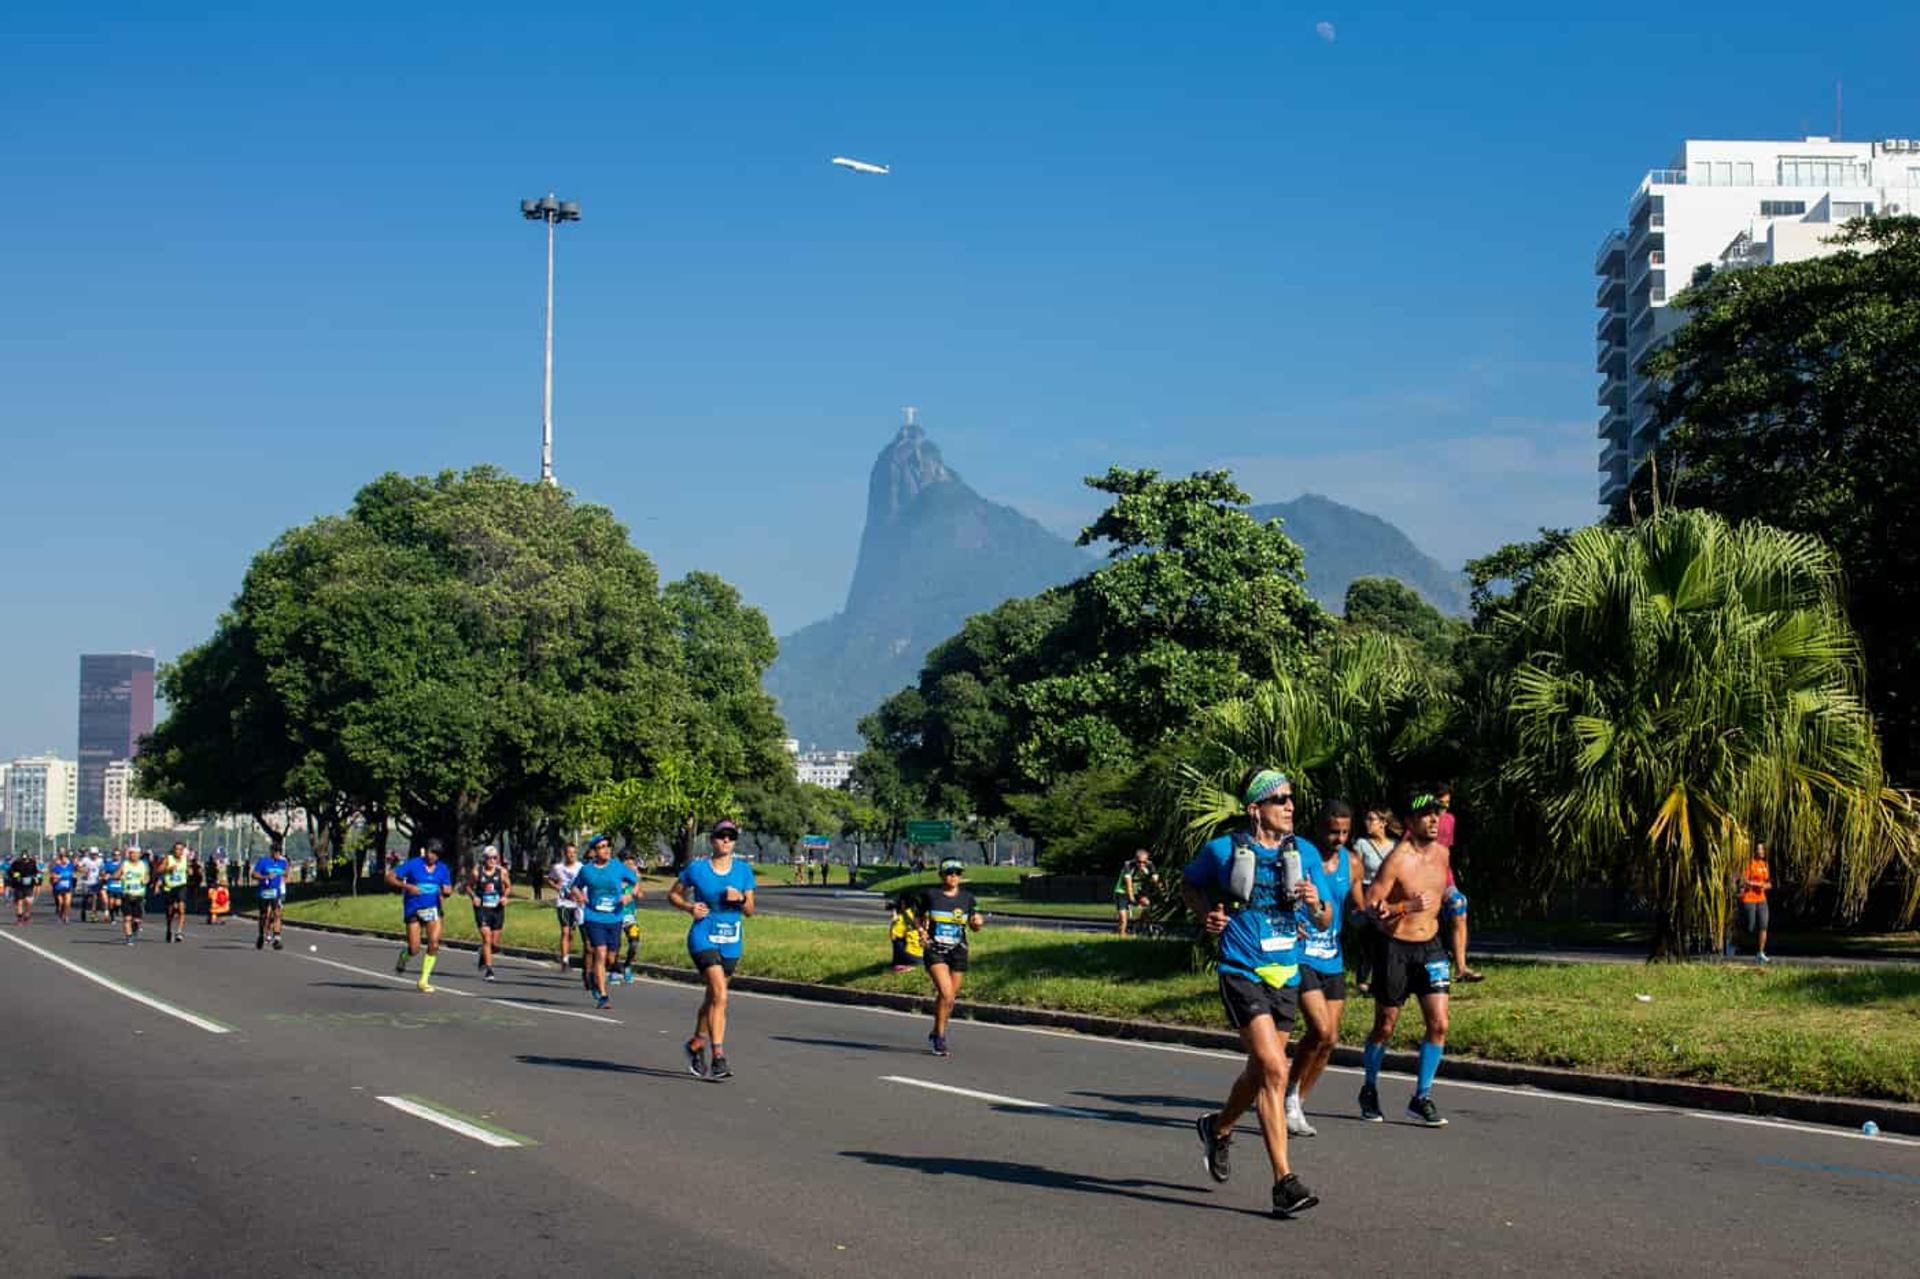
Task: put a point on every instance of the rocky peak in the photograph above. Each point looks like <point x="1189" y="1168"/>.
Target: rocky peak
<point x="905" y="469"/>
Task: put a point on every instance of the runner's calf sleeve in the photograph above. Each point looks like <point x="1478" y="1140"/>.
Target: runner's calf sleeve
<point x="1371" y="1057"/>
<point x="426" y="966"/>
<point x="1429" y="1066"/>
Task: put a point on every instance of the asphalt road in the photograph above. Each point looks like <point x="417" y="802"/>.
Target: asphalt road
<point x="236" y="1124"/>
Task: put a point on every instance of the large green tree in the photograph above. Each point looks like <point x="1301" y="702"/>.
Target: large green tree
<point x="1684" y="687"/>
<point x="1793" y="397"/>
<point x="1197" y="600"/>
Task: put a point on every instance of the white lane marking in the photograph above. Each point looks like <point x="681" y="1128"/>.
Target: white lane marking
<point x="463" y="994"/>
<point x="996" y="1098"/>
<point x="455" y="1123"/>
<point x="557" y="1012"/>
<point x="128" y="992"/>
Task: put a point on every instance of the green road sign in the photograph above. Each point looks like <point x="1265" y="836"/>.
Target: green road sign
<point x="816" y="841"/>
<point x="928" y="832"/>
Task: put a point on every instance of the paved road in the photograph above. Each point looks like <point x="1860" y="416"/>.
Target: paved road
<point x="254" y="1139"/>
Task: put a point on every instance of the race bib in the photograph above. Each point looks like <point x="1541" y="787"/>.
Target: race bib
<point x="1277" y="942"/>
<point x="724" y="934"/>
<point x="605" y="905"/>
<point x="1439" y="973"/>
<point x="427" y="914"/>
<point x="1321" y="947"/>
<point x="489" y="899"/>
<point x="948" y="934"/>
<point x="269" y="894"/>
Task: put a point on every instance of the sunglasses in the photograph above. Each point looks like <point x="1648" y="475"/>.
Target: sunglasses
<point x="1279" y="799"/>
<point x="726" y="835"/>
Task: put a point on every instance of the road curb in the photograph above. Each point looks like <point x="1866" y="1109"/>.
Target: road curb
<point x="1843" y="1112"/>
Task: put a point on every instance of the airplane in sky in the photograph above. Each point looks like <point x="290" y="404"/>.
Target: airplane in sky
<point x="860" y="166"/>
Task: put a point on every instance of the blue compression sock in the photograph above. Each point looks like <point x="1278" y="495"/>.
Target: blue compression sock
<point x="1430" y="1055"/>
<point x="1372" y="1056"/>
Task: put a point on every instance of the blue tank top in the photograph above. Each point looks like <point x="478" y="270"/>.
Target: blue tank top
<point x="1320" y="947"/>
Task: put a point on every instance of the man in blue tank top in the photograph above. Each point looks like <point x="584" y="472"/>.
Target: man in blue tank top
<point x="1247" y="889"/>
<point x="1323" y="975"/>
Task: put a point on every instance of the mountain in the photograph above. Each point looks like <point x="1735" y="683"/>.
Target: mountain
<point x="1342" y="542"/>
<point x="933" y="553"/>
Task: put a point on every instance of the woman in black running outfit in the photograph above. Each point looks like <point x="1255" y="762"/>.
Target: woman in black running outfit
<point x="489" y="887"/>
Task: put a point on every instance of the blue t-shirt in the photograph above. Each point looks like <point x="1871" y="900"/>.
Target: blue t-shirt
<point x="603" y="886"/>
<point x="1320" y="947"/>
<point x="1261" y="937"/>
<point x="108" y="869"/>
<point x="271" y="874"/>
<point x="62" y="873"/>
<point x="721" y="929"/>
<point x="423" y="883"/>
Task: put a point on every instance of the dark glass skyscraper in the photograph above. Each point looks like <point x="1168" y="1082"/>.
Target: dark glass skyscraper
<point x="116" y="711"/>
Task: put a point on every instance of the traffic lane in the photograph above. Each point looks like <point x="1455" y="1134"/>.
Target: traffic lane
<point x="865" y="908"/>
<point x="1129" y="1141"/>
<point x="172" y="1141"/>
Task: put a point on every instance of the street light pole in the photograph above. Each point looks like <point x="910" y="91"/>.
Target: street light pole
<point x="552" y="212"/>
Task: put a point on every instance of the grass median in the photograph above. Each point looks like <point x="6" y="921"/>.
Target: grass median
<point x="1837" y="1031"/>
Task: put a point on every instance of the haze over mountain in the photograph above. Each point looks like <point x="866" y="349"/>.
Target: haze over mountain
<point x="934" y="552"/>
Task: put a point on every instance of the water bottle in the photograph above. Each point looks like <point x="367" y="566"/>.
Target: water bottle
<point x="1870" y="1128"/>
<point x="1290" y="867"/>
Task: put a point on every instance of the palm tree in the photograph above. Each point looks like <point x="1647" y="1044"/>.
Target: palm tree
<point x="1340" y="724"/>
<point x="1684" y="687"/>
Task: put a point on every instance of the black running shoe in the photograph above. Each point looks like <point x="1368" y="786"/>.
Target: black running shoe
<point x="1422" y="1111"/>
<point x="1291" y="1197"/>
<point x="1219" y="1158"/>
<point x="719" y="1069"/>
<point x="276" y="942"/>
<point x="487" y="973"/>
<point x="696" y="1059"/>
<point x="1370" y="1105"/>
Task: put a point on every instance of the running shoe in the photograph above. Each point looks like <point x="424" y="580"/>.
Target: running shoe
<point x="1297" y="1125"/>
<point x="129" y="941"/>
<point x="487" y="973"/>
<point x="696" y="1059"/>
<point x="563" y="965"/>
<point x="1422" y="1111"/>
<point x="1762" y="958"/>
<point x="940" y="1048"/>
<point x="1291" y="1197"/>
<point x="276" y="942"/>
<point x="1370" y="1105"/>
<point x="602" y="1002"/>
<point x="719" y="1069"/>
<point x="425" y="989"/>
<point x="400" y="964"/>
<point x="1217" y="1153"/>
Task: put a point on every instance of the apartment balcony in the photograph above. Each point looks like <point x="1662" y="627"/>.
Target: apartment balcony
<point x="1612" y="328"/>
<point x="1612" y="392"/>
<point x="1611" y="286"/>
<point x="1613" y="486"/>
<point x="1610" y="357"/>
<point x="1613" y="456"/>
<point x="1611" y="246"/>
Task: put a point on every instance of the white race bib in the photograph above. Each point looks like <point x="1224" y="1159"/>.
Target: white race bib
<point x="427" y="914"/>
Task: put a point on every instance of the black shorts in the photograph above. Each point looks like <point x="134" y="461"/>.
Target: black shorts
<point x="490" y="917"/>
<point x="1753" y="916"/>
<point x="133" y="907"/>
<point x="601" y="934"/>
<point x="954" y="957"/>
<point x="1403" y="968"/>
<point x="1330" y="985"/>
<point x="705" y="959"/>
<point x="1248" y="997"/>
<point x="173" y="896"/>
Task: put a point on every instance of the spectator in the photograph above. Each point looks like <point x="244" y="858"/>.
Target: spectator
<point x="1754" y="885"/>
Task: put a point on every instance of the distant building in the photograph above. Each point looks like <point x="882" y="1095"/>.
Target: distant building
<point x="832" y="769"/>
<point x="116" y="711"/>
<point x="1722" y="205"/>
<point x="127" y="813"/>
<point x="40" y="795"/>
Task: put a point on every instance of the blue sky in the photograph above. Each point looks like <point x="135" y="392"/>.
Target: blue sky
<point x="257" y="260"/>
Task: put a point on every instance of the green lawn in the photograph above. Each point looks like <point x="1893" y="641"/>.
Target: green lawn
<point x="1851" y="1032"/>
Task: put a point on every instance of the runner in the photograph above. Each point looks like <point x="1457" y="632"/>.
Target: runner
<point x="427" y="882"/>
<point x="62" y="875"/>
<point x="947" y="914"/>
<point x="1130" y="900"/>
<point x="1409" y="959"/>
<point x="1323" y="975"/>
<point x="489" y="886"/>
<point x="132" y="877"/>
<point x="604" y="888"/>
<point x="717" y="891"/>
<point x="173" y="891"/>
<point x="1755" y="881"/>
<point x="110" y="881"/>
<point x="87" y="872"/>
<point x="565" y="909"/>
<point x="270" y="874"/>
<point x="23" y="876"/>
<point x="630" y="919"/>
<point x="1246" y="888"/>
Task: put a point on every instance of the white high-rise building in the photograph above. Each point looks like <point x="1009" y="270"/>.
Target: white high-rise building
<point x="832" y="769"/>
<point x="42" y="791"/>
<point x="1721" y="205"/>
<point x="125" y="812"/>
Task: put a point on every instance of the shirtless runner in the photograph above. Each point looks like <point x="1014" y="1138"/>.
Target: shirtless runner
<point x="1409" y="958"/>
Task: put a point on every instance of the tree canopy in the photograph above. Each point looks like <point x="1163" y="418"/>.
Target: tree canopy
<point x="469" y="650"/>
<point x="1793" y="394"/>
